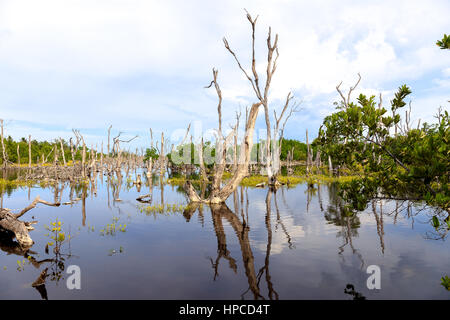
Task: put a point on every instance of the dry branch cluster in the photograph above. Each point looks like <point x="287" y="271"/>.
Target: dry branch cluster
<point x="272" y="150"/>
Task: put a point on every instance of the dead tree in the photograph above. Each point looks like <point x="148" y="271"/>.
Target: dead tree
<point x="278" y="135"/>
<point x="18" y="154"/>
<point x="201" y="161"/>
<point x="55" y="154"/>
<point x="101" y="157"/>
<point x="29" y="151"/>
<point x="10" y="223"/>
<point x="74" y="149"/>
<point x="330" y="166"/>
<point x="161" y="156"/>
<point x="346" y="101"/>
<point x="235" y="145"/>
<point x="62" y="151"/>
<point x="218" y="193"/>
<point x="83" y="160"/>
<point x="308" y="154"/>
<point x="262" y="95"/>
<point x="4" y="154"/>
<point x="109" y="134"/>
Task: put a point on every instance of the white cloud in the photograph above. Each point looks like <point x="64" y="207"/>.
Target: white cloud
<point x="66" y="51"/>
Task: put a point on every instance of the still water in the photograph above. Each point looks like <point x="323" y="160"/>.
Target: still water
<point x="299" y="246"/>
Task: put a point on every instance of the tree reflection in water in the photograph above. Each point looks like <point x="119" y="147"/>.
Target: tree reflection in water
<point x="54" y="266"/>
<point x="338" y="214"/>
<point x="335" y="211"/>
<point x="220" y="212"/>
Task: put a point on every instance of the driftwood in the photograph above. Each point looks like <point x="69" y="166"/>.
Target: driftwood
<point x="10" y="223"/>
<point x="146" y="198"/>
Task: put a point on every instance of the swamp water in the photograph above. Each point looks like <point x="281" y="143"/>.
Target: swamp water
<point x="299" y="247"/>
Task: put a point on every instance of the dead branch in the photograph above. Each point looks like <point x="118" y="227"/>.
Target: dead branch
<point x="344" y="100"/>
<point x="33" y="205"/>
<point x="10" y="223"/>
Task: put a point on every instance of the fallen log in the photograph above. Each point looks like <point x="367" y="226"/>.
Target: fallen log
<point x="10" y="223"/>
<point x="146" y="198"/>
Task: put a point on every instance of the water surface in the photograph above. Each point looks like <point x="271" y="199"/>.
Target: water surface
<point x="301" y="246"/>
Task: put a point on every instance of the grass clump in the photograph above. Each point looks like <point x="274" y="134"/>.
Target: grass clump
<point x="252" y="181"/>
<point x="162" y="209"/>
<point x="112" y="228"/>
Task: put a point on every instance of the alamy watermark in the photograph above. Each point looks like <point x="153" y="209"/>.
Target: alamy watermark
<point x="74" y="280"/>
<point x="374" y="280"/>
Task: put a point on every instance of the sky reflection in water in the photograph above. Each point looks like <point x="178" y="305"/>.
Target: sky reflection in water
<point x="300" y="247"/>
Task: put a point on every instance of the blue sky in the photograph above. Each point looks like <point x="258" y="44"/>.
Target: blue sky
<point x="137" y="65"/>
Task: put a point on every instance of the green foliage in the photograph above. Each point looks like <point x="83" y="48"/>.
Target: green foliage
<point x="21" y="264"/>
<point x="299" y="149"/>
<point x="112" y="228"/>
<point x="444" y="43"/>
<point x="445" y="281"/>
<point x="161" y="209"/>
<point x="56" y="235"/>
<point x="38" y="149"/>
<point x="413" y="162"/>
<point x="188" y="153"/>
<point x="151" y="153"/>
<point x="436" y="222"/>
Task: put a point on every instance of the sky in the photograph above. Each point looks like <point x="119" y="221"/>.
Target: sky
<point x="141" y="64"/>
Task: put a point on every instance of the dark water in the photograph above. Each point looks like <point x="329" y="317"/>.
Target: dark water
<point x="299" y="247"/>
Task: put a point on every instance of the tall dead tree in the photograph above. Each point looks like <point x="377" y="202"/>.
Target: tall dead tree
<point x="4" y="154"/>
<point x="109" y="135"/>
<point x="161" y="156"/>
<point x="201" y="161"/>
<point x="308" y="154"/>
<point x="55" y="154"/>
<point x="278" y="135"/>
<point x="235" y="145"/>
<point x="83" y="160"/>
<point x="18" y="154"/>
<point x="218" y="193"/>
<point x="62" y="151"/>
<point x="101" y="156"/>
<point x="151" y="138"/>
<point x="29" y="151"/>
<point x="263" y="96"/>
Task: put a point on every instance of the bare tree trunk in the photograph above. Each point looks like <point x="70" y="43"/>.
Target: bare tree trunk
<point x="151" y="138"/>
<point x="18" y="154"/>
<point x="242" y="169"/>
<point x="218" y="194"/>
<point x="236" y="131"/>
<point x="109" y="135"/>
<point x="5" y="158"/>
<point x="83" y="161"/>
<point x="308" y="154"/>
<point x="29" y="151"/>
<point x="9" y="222"/>
<point x="101" y="157"/>
<point x="317" y="161"/>
<point x="201" y="161"/>
<point x="161" y="156"/>
<point x="55" y="154"/>
<point x="330" y="165"/>
<point x="149" y="167"/>
<point x="62" y="152"/>
<point x="72" y="152"/>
